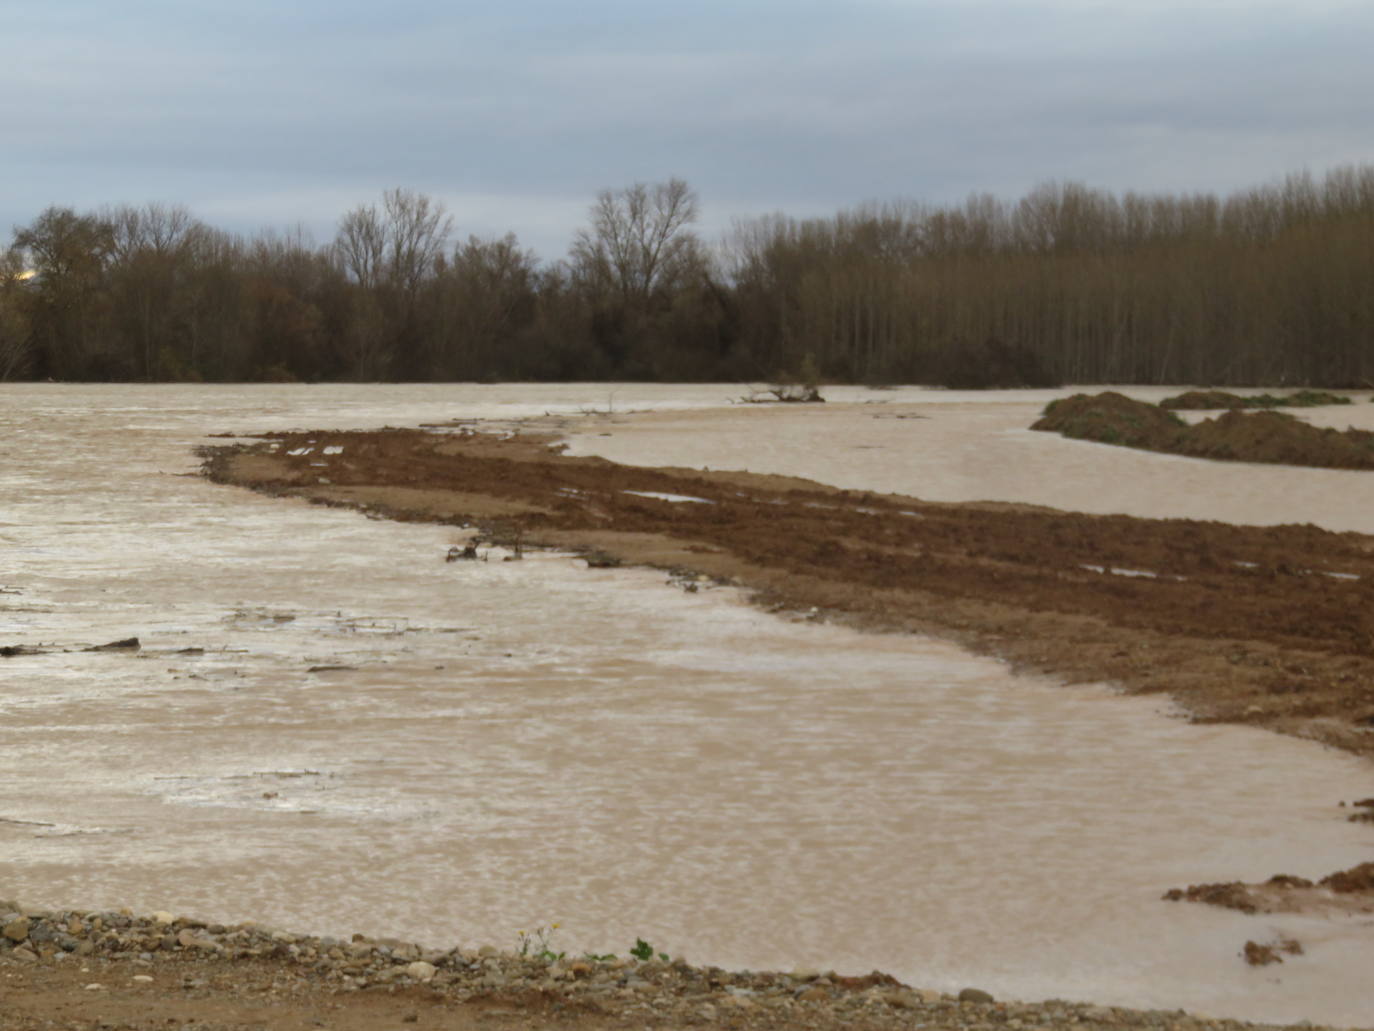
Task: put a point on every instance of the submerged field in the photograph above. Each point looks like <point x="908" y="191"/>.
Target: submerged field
<point x="1272" y="626"/>
<point x="330" y="728"/>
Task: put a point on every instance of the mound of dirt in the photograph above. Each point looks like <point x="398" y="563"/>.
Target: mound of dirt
<point x="1356" y="880"/>
<point x="1235" y="436"/>
<point x="1112" y="418"/>
<point x="1258" y="955"/>
<point x="1346" y="891"/>
<point x="1277" y="438"/>
<point x="1205" y="400"/>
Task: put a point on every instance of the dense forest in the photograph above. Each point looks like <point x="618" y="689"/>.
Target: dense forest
<point x="1268" y="286"/>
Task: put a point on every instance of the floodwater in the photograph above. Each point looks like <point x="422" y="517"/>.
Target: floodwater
<point x="522" y="743"/>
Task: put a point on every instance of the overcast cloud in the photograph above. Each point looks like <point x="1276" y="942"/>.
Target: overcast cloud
<point x="261" y="113"/>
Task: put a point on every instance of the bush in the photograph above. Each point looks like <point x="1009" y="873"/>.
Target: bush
<point x="994" y="364"/>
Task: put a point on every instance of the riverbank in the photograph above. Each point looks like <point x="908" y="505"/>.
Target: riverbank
<point x="1265" y="626"/>
<point x="73" y="970"/>
<point x="1261" y="626"/>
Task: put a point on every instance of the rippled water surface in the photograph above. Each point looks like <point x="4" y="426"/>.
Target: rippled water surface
<point x="522" y="743"/>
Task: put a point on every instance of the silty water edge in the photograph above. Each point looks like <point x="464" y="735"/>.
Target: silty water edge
<point x="534" y="742"/>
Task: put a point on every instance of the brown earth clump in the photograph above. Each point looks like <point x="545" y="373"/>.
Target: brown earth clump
<point x="1258" y="955"/>
<point x="1356" y="880"/>
<point x="1272" y="626"/>
<point x="1205" y="400"/>
<point x="1346" y="892"/>
<point x="1112" y="418"/>
<point x="1278" y="438"/>
<point x="1264" y="436"/>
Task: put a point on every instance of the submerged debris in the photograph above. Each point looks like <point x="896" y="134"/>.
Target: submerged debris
<point x="1258" y="955"/>
<point x="126" y="644"/>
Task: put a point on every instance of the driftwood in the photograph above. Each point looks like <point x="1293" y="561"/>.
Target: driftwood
<point x="789" y="393"/>
<point x="127" y="644"/>
<point x="10" y="651"/>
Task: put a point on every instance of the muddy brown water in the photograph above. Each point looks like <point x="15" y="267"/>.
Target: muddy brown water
<point x="524" y="743"/>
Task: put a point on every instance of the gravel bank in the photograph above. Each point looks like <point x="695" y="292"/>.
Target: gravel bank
<point x="69" y="969"/>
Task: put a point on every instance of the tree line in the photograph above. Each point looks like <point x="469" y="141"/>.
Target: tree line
<point x="1265" y="286"/>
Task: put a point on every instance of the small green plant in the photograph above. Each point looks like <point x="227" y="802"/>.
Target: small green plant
<point x="644" y="952"/>
<point x="536" y="944"/>
<point x="598" y="957"/>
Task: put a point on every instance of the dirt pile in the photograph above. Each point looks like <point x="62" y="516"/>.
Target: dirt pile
<point x="1262" y="955"/>
<point x="1237" y="436"/>
<point x="1346" y="891"/>
<point x="1277" y="438"/>
<point x="1203" y="400"/>
<point x="1272" y="626"/>
<point x="1112" y="418"/>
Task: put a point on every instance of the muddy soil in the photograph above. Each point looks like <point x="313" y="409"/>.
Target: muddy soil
<point x="1234" y="436"/>
<point x="1269" y="626"/>
<point x="1201" y="400"/>
<point x="1346" y="892"/>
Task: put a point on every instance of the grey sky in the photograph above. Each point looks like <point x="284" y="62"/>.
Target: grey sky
<point x="265" y="113"/>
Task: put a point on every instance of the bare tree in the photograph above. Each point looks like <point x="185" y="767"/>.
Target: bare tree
<point x="160" y="229"/>
<point x="152" y="248"/>
<point x="639" y="241"/>
<point x="417" y="229"/>
<point x="398" y="245"/>
<point x="361" y="245"/>
<point x="486" y="299"/>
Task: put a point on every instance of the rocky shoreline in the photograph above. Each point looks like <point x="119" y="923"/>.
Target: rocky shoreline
<point x="99" y="961"/>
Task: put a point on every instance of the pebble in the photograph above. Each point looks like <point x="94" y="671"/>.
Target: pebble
<point x="421" y="971"/>
<point x="17" y="930"/>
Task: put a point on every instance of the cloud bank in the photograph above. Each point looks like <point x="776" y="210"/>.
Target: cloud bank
<point x="261" y="114"/>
